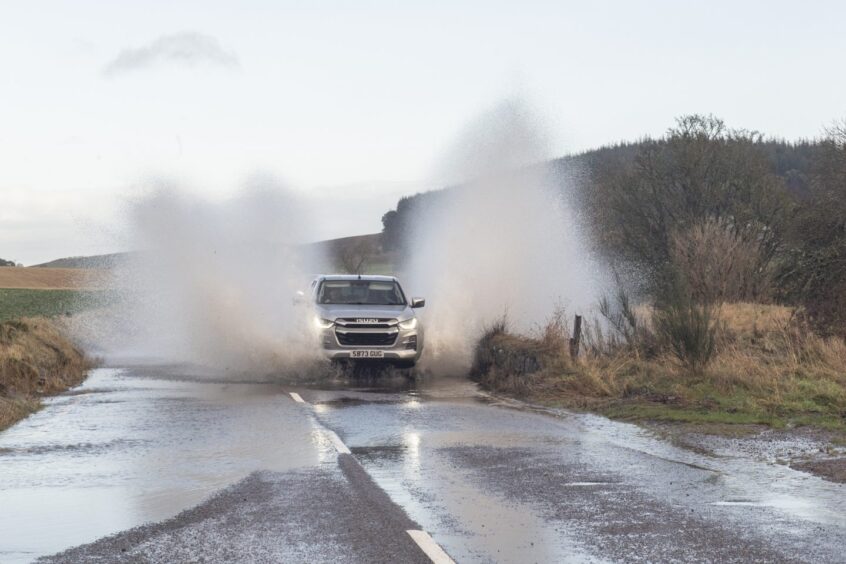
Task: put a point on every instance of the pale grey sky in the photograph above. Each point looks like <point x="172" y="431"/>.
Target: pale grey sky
<point x="361" y="98"/>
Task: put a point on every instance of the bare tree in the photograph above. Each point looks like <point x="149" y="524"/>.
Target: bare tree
<point x="720" y="262"/>
<point x="353" y="256"/>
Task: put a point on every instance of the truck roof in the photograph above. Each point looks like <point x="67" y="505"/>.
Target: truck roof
<point x="373" y="277"/>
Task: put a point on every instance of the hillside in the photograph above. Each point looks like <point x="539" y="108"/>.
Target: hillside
<point x="357" y="254"/>
<point x="345" y="253"/>
<point x="95" y="261"/>
<point x="580" y="173"/>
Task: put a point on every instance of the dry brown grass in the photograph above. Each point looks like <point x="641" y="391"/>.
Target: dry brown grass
<point x="750" y="319"/>
<point x="13" y="410"/>
<point x="35" y="360"/>
<point x="770" y="339"/>
<point x="769" y="367"/>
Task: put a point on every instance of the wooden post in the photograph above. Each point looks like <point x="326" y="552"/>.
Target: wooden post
<point x="576" y="339"/>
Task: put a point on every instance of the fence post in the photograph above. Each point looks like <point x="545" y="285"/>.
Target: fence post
<point x="576" y="339"/>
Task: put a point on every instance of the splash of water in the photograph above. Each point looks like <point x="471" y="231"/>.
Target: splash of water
<point x="507" y="241"/>
<point x="213" y="282"/>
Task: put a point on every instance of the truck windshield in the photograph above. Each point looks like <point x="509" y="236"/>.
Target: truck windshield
<point x="360" y="292"/>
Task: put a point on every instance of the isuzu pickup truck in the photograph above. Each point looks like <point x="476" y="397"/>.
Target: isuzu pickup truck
<point x="366" y="318"/>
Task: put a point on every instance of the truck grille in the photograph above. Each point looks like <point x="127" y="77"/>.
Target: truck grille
<point x="366" y="323"/>
<point x="356" y="339"/>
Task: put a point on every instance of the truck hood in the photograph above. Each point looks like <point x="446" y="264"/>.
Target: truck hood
<point x="333" y="312"/>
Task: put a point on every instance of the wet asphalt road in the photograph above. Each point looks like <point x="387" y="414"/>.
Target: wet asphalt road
<point x="168" y="465"/>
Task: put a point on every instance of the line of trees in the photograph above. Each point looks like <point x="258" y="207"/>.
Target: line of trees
<point x="814" y="268"/>
<point x="702" y="201"/>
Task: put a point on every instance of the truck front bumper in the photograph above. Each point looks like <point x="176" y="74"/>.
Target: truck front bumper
<point x="408" y="345"/>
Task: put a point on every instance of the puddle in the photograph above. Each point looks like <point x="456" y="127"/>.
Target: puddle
<point x="373" y="453"/>
<point x="407" y="451"/>
<point x="473" y="525"/>
<point x="352" y="402"/>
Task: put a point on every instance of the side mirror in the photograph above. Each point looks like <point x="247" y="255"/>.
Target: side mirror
<point x="418" y="302"/>
<point x="299" y="298"/>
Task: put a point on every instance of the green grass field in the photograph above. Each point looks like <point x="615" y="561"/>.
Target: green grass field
<point x="16" y="303"/>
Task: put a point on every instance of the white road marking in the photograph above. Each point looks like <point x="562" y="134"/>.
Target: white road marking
<point x="339" y="444"/>
<point x="336" y="440"/>
<point x="435" y="553"/>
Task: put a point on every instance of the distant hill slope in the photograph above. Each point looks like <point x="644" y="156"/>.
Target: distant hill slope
<point x="359" y="254"/>
<point x="332" y="247"/>
<point x="94" y="261"/>
<point x="342" y="253"/>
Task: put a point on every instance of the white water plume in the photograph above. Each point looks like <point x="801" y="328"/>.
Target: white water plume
<point x="213" y="283"/>
<point x="506" y="241"/>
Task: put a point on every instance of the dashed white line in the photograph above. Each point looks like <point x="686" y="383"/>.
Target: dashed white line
<point x="339" y="444"/>
<point x="336" y="440"/>
<point x="435" y="553"/>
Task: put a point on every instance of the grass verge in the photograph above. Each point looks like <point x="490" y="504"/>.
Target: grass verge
<point x="767" y="369"/>
<point x="35" y="360"/>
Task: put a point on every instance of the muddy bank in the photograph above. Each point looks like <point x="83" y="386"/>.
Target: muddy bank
<point x="833" y="469"/>
<point x="518" y="366"/>
<point x="816" y="451"/>
<point x="36" y="359"/>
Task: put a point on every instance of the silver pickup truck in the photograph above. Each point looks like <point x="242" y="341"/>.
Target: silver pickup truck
<point x="366" y="318"/>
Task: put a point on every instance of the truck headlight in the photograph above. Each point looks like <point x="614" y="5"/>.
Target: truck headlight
<point x="409" y="324"/>
<point x="323" y="323"/>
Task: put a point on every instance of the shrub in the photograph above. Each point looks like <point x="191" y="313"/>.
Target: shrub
<point x="689" y="331"/>
<point x="721" y="261"/>
<point x="622" y="327"/>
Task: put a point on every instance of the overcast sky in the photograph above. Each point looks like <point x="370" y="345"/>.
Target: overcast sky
<point x="358" y="100"/>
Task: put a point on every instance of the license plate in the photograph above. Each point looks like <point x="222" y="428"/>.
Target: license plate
<point x="367" y="354"/>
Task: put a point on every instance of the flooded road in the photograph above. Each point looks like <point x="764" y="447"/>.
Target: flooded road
<point x="132" y="446"/>
<point x="176" y="466"/>
<point x="495" y="482"/>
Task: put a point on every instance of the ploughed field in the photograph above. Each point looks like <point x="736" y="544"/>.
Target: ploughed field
<point x="35" y="278"/>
